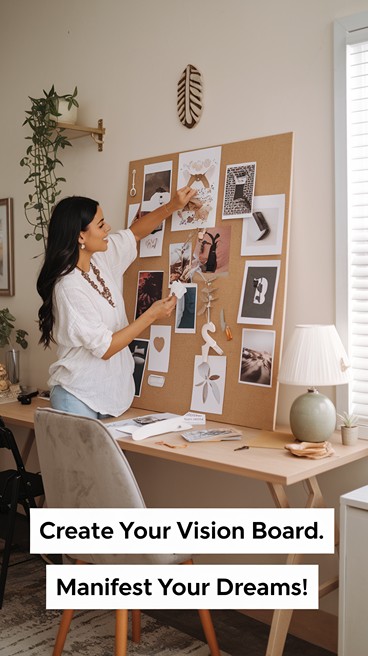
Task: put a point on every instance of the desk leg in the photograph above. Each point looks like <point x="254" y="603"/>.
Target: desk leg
<point x="281" y="618"/>
<point x="28" y="446"/>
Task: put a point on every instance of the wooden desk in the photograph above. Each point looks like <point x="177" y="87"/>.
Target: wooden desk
<point x="276" y="467"/>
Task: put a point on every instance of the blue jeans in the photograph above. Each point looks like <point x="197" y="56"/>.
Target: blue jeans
<point x="60" y="399"/>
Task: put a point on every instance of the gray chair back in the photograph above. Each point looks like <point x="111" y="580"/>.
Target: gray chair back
<point x="83" y="467"/>
<point x="81" y="464"/>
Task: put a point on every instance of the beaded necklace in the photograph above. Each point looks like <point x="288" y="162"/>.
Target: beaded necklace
<point x="105" y="290"/>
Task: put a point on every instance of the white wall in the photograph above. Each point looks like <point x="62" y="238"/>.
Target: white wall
<point x="267" y="68"/>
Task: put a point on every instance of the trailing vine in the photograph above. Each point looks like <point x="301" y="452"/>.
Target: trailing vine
<point x="42" y="159"/>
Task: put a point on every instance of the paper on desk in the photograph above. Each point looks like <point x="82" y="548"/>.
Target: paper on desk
<point x="195" y="418"/>
<point x="128" y="426"/>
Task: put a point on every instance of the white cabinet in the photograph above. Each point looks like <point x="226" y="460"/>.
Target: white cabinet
<point x="353" y="593"/>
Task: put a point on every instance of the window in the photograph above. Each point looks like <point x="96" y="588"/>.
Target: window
<point x="351" y="197"/>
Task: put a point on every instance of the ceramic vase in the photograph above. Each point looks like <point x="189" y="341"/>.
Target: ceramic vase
<point x="67" y="115"/>
<point x="12" y="365"/>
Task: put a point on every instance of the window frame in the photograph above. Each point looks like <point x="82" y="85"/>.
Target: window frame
<point x="346" y="30"/>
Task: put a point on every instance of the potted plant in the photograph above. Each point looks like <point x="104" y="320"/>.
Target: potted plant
<point x="349" y="428"/>
<point x="7" y="327"/>
<point x="42" y="158"/>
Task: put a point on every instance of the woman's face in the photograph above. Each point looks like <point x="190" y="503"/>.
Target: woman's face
<point x="95" y="237"/>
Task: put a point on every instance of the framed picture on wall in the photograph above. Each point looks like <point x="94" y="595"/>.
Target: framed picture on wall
<point x="6" y="247"/>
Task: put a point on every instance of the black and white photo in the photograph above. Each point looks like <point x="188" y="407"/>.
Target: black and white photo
<point x="139" y="348"/>
<point x="256" y="358"/>
<point x="259" y="289"/>
<point x="263" y="231"/>
<point x="239" y="190"/>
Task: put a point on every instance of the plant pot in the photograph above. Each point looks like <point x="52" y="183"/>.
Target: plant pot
<point x="12" y="365"/>
<point x="349" y="435"/>
<point x="67" y="115"/>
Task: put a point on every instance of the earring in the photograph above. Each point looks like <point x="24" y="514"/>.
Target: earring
<point x="82" y="246"/>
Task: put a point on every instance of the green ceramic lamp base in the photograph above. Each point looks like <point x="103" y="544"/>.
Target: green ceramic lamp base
<point x="312" y="417"/>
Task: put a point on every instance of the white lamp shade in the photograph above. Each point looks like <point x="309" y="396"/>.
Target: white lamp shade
<point x="315" y="357"/>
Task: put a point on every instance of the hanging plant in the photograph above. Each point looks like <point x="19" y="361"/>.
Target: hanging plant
<point x="42" y="158"/>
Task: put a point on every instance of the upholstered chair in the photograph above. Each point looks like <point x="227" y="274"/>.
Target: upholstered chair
<point x="83" y="467"/>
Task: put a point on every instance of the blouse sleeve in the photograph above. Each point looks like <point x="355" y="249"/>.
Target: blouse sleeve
<point x="81" y="327"/>
<point x="121" y="252"/>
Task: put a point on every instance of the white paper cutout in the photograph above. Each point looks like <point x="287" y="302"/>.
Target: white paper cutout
<point x="209" y="384"/>
<point x="159" y="351"/>
<point x="132" y="212"/>
<point x="264" y="238"/>
<point x="200" y="170"/>
<point x="178" y="288"/>
<point x="209" y="341"/>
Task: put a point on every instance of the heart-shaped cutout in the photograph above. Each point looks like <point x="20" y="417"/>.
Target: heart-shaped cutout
<point x="159" y="343"/>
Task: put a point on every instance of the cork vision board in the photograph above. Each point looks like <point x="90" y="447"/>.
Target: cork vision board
<point x="240" y="262"/>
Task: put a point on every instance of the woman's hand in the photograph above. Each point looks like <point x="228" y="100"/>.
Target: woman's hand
<point x="163" y="308"/>
<point x="181" y="198"/>
<point x="158" y="310"/>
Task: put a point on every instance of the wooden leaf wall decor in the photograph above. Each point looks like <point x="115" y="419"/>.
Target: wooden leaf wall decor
<point x="190" y="96"/>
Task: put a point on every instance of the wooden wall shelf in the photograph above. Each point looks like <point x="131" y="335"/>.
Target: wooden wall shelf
<point x="78" y="131"/>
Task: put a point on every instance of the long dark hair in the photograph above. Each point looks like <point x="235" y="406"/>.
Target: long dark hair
<point x="69" y="217"/>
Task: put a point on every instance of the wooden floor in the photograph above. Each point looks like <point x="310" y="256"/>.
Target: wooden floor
<point x="237" y="634"/>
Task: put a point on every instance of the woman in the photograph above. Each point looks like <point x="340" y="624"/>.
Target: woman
<point x="83" y="310"/>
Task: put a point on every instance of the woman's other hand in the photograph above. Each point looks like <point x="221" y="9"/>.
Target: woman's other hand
<point x="163" y="308"/>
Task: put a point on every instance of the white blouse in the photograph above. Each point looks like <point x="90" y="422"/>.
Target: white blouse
<point x="83" y="328"/>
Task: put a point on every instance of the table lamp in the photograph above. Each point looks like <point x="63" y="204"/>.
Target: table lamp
<point x="314" y="357"/>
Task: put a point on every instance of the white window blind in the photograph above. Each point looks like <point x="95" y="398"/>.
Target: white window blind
<point x="357" y="197"/>
<point x="351" y="207"/>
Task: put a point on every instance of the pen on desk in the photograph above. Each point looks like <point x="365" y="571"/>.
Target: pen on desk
<point x="240" y="448"/>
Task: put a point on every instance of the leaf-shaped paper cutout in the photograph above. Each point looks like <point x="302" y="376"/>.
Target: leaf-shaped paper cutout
<point x="202" y="310"/>
<point x="214" y="377"/>
<point x="216" y="391"/>
<point x="190" y="96"/>
<point x="204" y="369"/>
<point x="205" y="392"/>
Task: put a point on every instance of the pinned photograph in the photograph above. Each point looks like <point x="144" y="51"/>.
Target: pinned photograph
<point x="263" y="231"/>
<point x="156" y="185"/>
<point x="156" y="192"/>
<point x="259" y="289"/>
<point x="209" y="384"/>
<point x="149" y="290"/>
<point x="256" y="358"/>
<point x="200" y="170"/>
<point x="239" y="190"/>
<point x="139" y="348"/>
<point x="212" y="252"/>
<point x="159" y="348"/>
<point x="180" y="256"/>
<point x="186" y="308"/>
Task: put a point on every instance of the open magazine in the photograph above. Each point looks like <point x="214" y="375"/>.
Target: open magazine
<point x="212" y="435"/>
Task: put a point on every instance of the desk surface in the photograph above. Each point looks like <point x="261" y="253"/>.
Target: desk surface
<point x="273" y="465"/>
